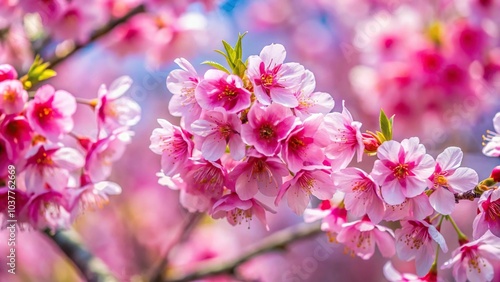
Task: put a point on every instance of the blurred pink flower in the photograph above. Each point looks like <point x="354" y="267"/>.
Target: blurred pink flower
<point x="473" y="261"/>
<point x="393" y="275"/>
<point x="92" y="196"/>
<point x="449" y="178"/>
<point x="48" y="167"/>
<point x="415" y="240"/>
<point x="17" y="132"/>
<point x="112" y="109"/>
<point x="206" y="178"/>
<point x="102" y="153"/>
<point x="488" y="217"/>
<point x="332" y="216"/>
<point x="273" y="80"/>
<point x="50" y="112"/>
<point x="309" y="180"/>
<point x="362" y="235"/>
<point x="345" y="136"/>
<point x="258" y="173"/>
<point x="492" y="148"/>
<point x="182" y="84"/>
<point x="219" y="89"/>
<point x="13" y="97"/>
<point x="217" y="129"/>
<point x="48" y="210"/>
<point x="362" y="194"/>
<point x="402" y="169"/>
<point x="173" y="144"/>
<point x="267" y="127"/>
<point x="7" y="72"/>
<point x="303" y="146"/>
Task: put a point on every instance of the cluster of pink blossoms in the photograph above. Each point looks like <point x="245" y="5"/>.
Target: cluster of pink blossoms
<point x="52" y="173"/>
<point x="261" y="135"/>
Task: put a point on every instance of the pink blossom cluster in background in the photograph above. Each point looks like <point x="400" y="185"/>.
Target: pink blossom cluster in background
<point x="58" y="174"/>
<point x="261" y="133"/>
<point x="154" y="27"/>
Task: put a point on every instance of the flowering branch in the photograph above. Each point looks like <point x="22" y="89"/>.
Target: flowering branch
<point x="55" y="60"/>
<point x="276" y="242"/>
<point x="91" y="267"/>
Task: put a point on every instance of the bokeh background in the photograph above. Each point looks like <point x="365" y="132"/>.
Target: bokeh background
<point x="370" y="53"/>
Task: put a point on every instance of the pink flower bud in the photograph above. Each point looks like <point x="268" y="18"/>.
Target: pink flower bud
<point x="7" y="72"/>
<point x="495" y="174"/>
<point x="371" y="142"/>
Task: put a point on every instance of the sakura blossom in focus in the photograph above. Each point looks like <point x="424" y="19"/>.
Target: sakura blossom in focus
<point x="488" y="217"/>
<point x="402" y="169"/>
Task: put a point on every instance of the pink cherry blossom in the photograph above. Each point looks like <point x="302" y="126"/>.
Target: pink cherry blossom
<point x="345" y="136"/>
<point x="332" y="216"/>
<point x="48" y="167"/>
<point x="13" y="97"/>
<point x="217" y="129"/>
<point x="236" y="210"/>
<point x="206" y="180"/>
<point x="48" y="210"/>
<point x="311" y="102"/>
<point x="417" y="207"/>
<point x="50" y="112"/>
<point x="362" y="195"/>
<point x="273" y="80"/>
<point x="258" y="173"/>
<point x="267" y="127"/>
<point x="7" y="72"/>
<point x="219" y="89"/>
<point x="303" y="146"/>
<point x="416" y="240"/>
<point x="182" y="84"/>
<point x="173" y="144"/>
<point x="92" y="196"/>
<point x="17" y="132"/>
<point x="488" y="217"/>
<point x="492" y="148"/>
<point x="473" y="261"/>
<point x="402" y="169"/>
<point x="313" y="180"/>
<point x="104" y="152"/>
<point x="362" y="235"/>
<point x="113" y="110"/>
<point x="449" y="178"/>
<point x="393" y="275"/>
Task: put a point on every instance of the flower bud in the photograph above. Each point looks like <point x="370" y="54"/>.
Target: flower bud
<point x="371" y="142"/>
<point x="495" y="174"/>
<point x="7" y="72"/>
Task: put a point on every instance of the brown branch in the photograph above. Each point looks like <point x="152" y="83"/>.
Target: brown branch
<point x="55" y="60"/>
<point x="187" y="228"/>
<point x="91" y="267"/>
<point x="276" y="242"/>
<point x="468" y="195"/>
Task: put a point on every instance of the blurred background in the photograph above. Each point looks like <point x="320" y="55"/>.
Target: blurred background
<point x="434" y="64"/>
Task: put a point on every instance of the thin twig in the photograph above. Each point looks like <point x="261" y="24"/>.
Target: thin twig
<point x="55" y="60"/>
<point x="276" y="242"/>
<point x="468" y="195"/>
<point x="91" y="267"/>
<point x="187" y="228"/>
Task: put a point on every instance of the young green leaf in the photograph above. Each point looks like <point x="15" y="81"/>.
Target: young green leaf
<point x="385" y="126"/>
<point x="216" y="66"/>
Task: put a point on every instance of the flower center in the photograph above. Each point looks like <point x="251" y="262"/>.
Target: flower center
<point x="493" y="213"/>
<point x="267" y="79"/>
<point x="401" y="171"/>
<point x="306" y="182"/>
<point x="44" y="159"/>
<point x="266" y="132"/>
<point x="441" y="180"/>
<point x="9" y="95"/>
<point x="225" y="131"/>
<point x="228" y="93"/>
<point x="239" y="215"/>
<point x="296" y="143"/>
<point x="45" y="112"/>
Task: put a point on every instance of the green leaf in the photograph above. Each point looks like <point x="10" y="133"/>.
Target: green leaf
<point x="38" y="71"/>
<point x="385" y="126"/>
<point x="46" y="74"/>
<point x="216" y="65"/>
<point x="238" y="47"/>
<point x="230" y="51"/>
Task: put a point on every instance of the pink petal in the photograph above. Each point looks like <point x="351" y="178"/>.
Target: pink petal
<point x="389" y="150"/>
<point x="297" y="199"/>
<point x="273" y="55"/>
<point x="392" y="193"/>
<point x="443" y="201"/>
<point x="385" y="243"/>
<point x="463" y="179"/>
<point x="450" y="158"/>
<point x="213" y="147"/>
<point x="246" y="185"/>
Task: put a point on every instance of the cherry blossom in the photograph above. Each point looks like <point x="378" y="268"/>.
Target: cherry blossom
<point x="473" y="261"/>
<point x="449" y="178"/>
<point x="236" y="210"/>
<point x="13" y="97"/>
<point x="488" y="217"/>
<point x="402" y="169"/>
<point x="273" y="80"/>
<point x="311" y="102"/>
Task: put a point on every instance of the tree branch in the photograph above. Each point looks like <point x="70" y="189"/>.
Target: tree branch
<point x="55" y="60"/>
<point x="276" y="242"/>
<point x="468" y="195"/>
<point x="91" y="267"/>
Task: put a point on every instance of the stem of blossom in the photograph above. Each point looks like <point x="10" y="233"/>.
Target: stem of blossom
<point x="89" y="102"/>
<point x="276" y="242"/>
<point x="91" y="267"/>
<point x="462" y="238"/>
<point x="55" y="60"/>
